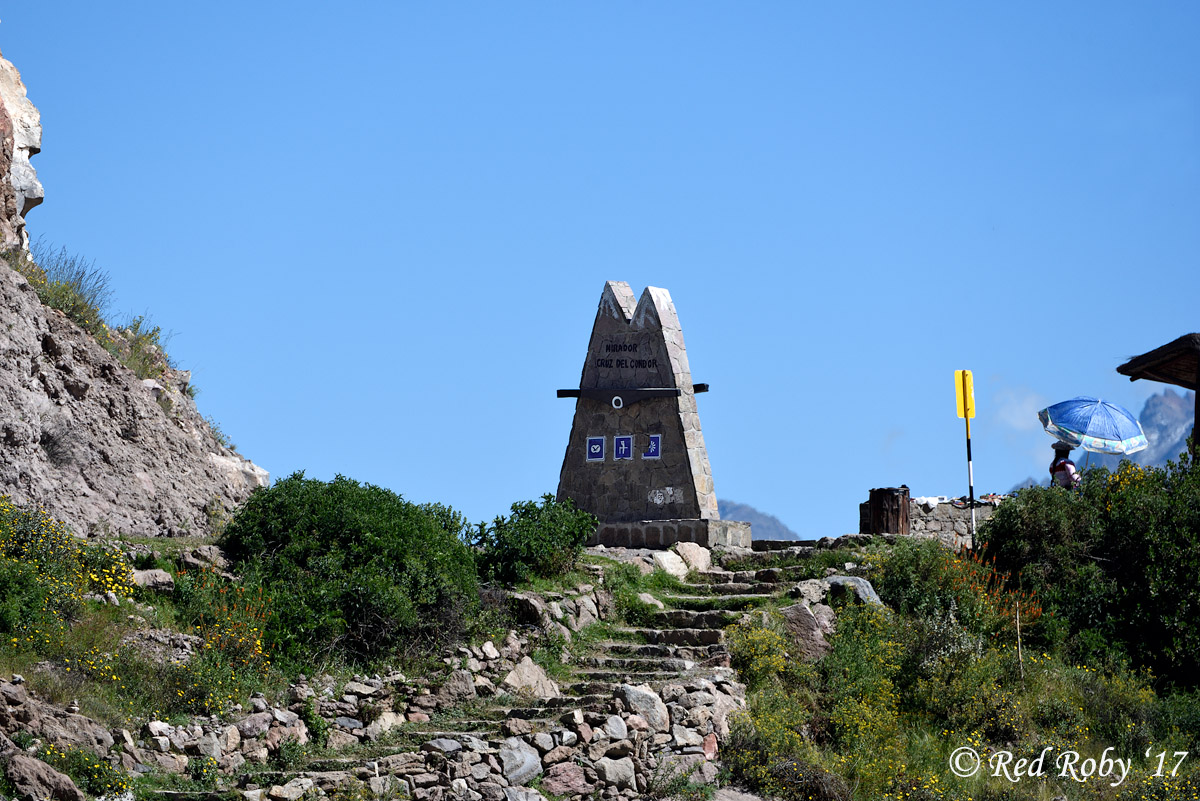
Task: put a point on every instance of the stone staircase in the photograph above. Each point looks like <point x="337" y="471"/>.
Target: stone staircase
<point x="685" y="637"/>
<point x="685" y="641"/>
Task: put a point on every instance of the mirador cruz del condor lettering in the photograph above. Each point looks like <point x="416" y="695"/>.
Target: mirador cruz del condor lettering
<point x="640" y="360"/>
<point x="624" y="364"/>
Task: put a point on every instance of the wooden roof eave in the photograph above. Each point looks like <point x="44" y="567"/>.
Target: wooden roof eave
<point x="1176" y="363"/>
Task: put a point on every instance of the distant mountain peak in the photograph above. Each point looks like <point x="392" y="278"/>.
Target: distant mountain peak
<point x="762" y="525"/>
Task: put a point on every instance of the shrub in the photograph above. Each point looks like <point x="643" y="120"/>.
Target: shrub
<point x="89" y="772"/>
<point x="924" y="579"/>
<point x="318" y="727"/>
<point x="45" y="572"/>
<point x="203" y="770"/>
<point x="758" y="651"/>
<point x="352" y="568"/>
<point x="536" y="540"/>
<point x="1117" y="559"/>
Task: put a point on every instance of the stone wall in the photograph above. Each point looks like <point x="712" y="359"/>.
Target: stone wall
<point x="665" y="533"/>
<point x="944" y="521"/>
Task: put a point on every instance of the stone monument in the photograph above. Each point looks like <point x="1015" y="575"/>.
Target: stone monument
<point x="636" y="456"/>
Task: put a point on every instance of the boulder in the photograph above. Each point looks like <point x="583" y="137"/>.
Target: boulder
<point x="255" y="725"/>
<point x="697" y="557"/>
<point x="157" y="580"/>
<point x="528" y="678"/>
<point x="386" y="721"/>
<point x="805" y="631"/>
<point x="857" y="588"/>
<point x="615" y="728"/>
<point x="810" y="591"/>
<point x="616" y="772"/>
<point x="650" y="600"/>
<point x="671" y="563"/>
<point x="520" y="762"/>
<point x="443" y="745"/>
<point x="32" y="778"/>
<point x="459" y="687"/>
<point x="86" y="441"/>
<point x="642" y="700"/>
<point x="566" y="779"/>
<point x="560" y="753"/>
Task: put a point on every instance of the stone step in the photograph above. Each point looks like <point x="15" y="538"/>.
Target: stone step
<point x="425" y="735"/>
<point x="695" y="653"/>
<point x="592" y="687"/>
<point x="591" y="675"/>
<point x="680" y="636"/>
<point x="714" y="588"/>
<point x="692" y="619"/>
<point x="727" y="603"/>
<point x="542" y="707"/>
<point x="458" y="724"/>
<point x="781" y="545"/>
<point x="773" y="575"/>
<point x="638" y="664"/>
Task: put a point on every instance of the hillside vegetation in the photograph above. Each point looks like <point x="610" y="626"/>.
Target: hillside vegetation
<point x="1067" y="631"/>
<point x="1071" y="629"/>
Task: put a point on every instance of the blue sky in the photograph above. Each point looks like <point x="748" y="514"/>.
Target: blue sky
<point x="379" y="233"/>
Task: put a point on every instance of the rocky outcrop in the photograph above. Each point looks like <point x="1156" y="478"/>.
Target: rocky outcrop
<point x="98" y="448"/>
<point x="20" y="138"/>
<point x="32" y="778"/>
<point x="80" y="434"/>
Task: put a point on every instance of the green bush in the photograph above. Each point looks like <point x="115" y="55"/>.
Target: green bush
<point x="23" y="597"/>
<point x="535" y="541"/>
<point x="1116" y="559"/>
<point x="89" y="772"/>
<point x="353" y="570"/>
<point x="45" y="571"/>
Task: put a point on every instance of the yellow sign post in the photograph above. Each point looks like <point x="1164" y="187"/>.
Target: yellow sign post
<point x="964" y="393"/>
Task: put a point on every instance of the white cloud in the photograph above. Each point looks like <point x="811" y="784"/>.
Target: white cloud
<point x="1017" y="408"/>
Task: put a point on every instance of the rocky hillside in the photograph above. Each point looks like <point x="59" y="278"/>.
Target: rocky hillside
<point x="80" y="434"/>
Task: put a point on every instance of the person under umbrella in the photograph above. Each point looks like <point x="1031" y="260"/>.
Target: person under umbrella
<point x="1062" y="469"/>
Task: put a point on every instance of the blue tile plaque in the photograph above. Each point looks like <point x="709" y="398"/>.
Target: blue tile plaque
<point x="595" y="449"/>
<point x="654" y="449"/>
<point x="623" y="447"/>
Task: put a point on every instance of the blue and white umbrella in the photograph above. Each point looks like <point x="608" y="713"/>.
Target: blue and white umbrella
<point x="1094" y="425"/>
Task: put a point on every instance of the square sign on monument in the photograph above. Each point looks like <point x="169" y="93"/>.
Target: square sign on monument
<point x="636" y="456"/>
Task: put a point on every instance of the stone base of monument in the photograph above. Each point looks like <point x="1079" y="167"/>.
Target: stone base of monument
<point x="665" y="533"/>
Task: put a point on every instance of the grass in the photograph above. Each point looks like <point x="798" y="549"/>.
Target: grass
<point x="815" y="564"/>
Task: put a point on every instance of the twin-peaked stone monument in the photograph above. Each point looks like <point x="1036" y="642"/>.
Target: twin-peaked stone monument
<point x="636" y="457"/>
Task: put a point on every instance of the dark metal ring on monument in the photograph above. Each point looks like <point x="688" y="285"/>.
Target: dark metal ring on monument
<point x="617" y="403"/>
